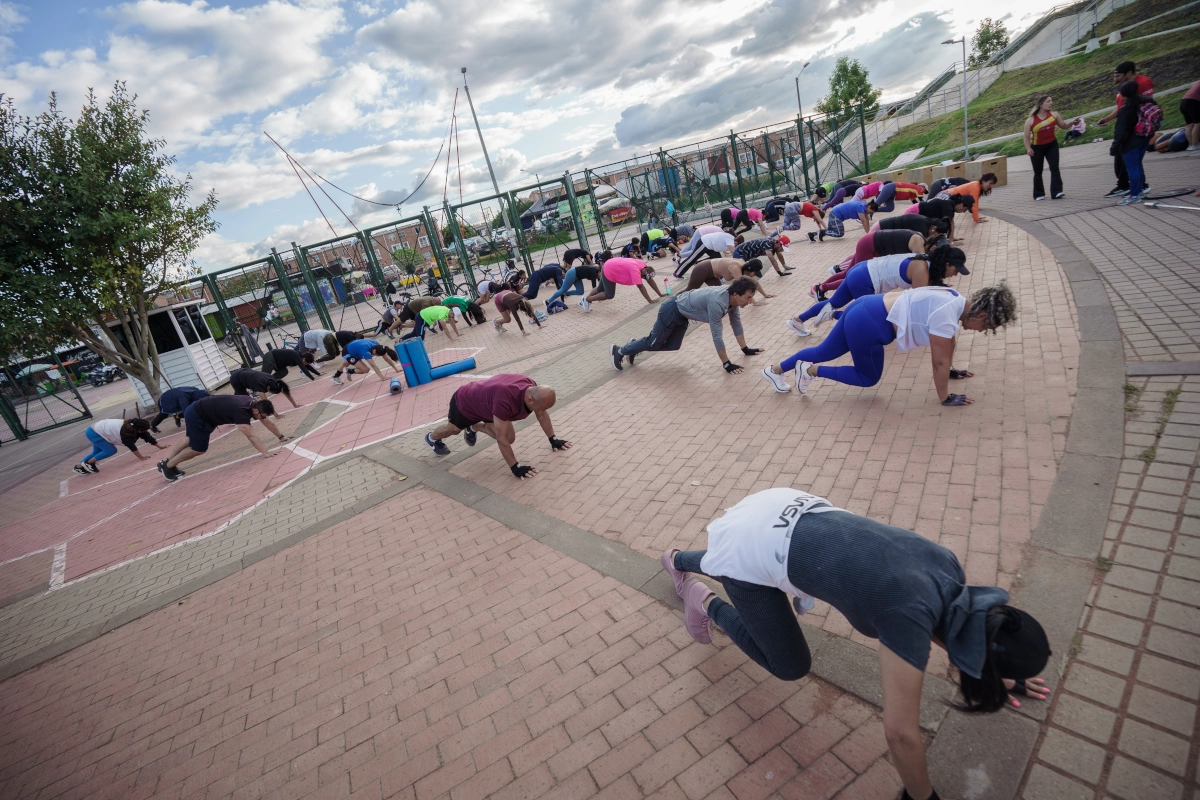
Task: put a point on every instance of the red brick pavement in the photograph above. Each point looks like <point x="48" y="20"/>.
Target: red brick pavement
<point x="420" y="650"/>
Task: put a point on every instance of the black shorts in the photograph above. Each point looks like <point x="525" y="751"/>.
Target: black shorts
<point x="609" y="287"/>
<point x="199" y="431"/>
<point x="406" y="315"/>
<point x="455" y="418"/>
<point x="1190" y="110"/>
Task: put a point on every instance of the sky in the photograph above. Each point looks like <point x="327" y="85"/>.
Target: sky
<point x="361" y="91"/>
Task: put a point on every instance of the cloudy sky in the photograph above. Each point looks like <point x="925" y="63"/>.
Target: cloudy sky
<point x="361" y="91"/>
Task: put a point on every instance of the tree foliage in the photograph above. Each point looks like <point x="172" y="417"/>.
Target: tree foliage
<point x="94" y="226"/>
<point x="849" y="85"/>
<point x="989" y="39"/>
<point x="407" y="259"/>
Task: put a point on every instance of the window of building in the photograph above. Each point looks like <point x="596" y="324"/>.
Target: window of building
<point x="745" y="158"/>
<point x="423" y="241"/>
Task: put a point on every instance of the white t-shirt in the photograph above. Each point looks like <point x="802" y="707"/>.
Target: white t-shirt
<point x="706" y="229"/>
<point x="315" y="338"/>
<point x="885" y="272"/>
<point x="717" y="241"/>
<point x="751" y="541"/>
<point x="924" y="312"/>
<point x="109" y="430"/>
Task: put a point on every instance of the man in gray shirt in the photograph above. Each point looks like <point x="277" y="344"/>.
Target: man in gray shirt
<point x="707" y="304"/>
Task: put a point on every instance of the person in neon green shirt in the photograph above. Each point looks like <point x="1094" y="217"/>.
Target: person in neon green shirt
<point x="468" y="308"/>
<point x="434" y="314"/>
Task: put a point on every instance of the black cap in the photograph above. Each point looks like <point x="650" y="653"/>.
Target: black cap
<point x="1019" y="648"/>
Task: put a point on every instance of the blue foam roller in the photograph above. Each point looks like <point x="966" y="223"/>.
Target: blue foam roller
<point x="452" y="368"/>
<point x="419" y="359"/>
<point x="406" y="364"/>
<point x="396" y="386"/>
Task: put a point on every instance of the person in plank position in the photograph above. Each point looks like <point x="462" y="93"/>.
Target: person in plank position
<point x="204" y="416"/>
<point x="491" y="406"/>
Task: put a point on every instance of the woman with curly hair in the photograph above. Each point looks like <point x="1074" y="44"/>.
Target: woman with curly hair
<point x="911" y="318"/>
<point x="892" y="584"/>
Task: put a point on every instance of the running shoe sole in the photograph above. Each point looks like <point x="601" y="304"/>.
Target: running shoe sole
<point x="803" y="379"/>
<point x="778" y="381"/>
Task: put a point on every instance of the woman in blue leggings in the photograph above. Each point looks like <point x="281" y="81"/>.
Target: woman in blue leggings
<point x="880" y="276"/>
<point x="912" y="318"/>
<point x="572" y="282"/>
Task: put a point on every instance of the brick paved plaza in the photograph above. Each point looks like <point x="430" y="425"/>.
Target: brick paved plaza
<point x="355" y="618"/>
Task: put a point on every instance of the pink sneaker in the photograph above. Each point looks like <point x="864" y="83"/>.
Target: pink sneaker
<point x="668" y="563"/>
<point x="695" y="618"/>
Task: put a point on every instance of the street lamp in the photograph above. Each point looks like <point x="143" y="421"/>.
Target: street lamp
<point x="798" y="103"/>
<point x="966" y="136"/>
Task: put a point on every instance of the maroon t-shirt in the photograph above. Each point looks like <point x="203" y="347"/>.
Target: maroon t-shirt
<point x="498" y="397"/>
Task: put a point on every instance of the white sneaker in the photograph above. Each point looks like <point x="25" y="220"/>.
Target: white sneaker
<point x="496" y="324"/>
<point x="585" y="305"/>
<point x="823" y="316"/>
<point x="336" y="380"/>
<point x="834" y="270"/>
<point x="803" y="379"/>
<point x="798" y="328"/>
<point x="778" y="381"/>
<point x="1039" y="197"/>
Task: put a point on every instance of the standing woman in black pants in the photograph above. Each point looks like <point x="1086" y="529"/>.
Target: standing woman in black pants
<point x="890" y="583"/>
<point x="1041" y="143"/>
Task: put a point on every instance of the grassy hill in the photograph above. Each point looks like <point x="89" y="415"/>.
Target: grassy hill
<point x="1079" y="83"/>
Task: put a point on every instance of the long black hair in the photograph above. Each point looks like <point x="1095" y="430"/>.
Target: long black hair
<point x="940" y="258"/>
<point x="1016" y="648"/>
<point x="276" y="386"/>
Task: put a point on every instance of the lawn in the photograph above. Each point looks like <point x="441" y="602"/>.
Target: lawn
<point x="1078" y="83"/>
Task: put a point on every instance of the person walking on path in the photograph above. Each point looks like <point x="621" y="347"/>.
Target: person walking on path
<point x="892" y="584"/>
<point x="847" y="211"/>
<point x="912" y="318"/>
<point x="735" y="220"/>
<point x="719" y="271"/>
<point x="1189" y="107"/>
<point x="359" y="356"/>
<point x="510" y="305"/>
<point x="205" y="416"/>
<point x="880" y="276"/>
<point x="173" y="402"/>
<point x="246" y="382"/>
<point x="1132" y="135"/>
<point x="769" y="247"/>
<point x="106" y="434"/>
<point x="1125" y="71"/>
<point x="625" y="272"/>
<point x="710" y="304"/>
<point x="491" y="407"/>
<point x="277" y="362"/>
<point x="1041" y="144"/>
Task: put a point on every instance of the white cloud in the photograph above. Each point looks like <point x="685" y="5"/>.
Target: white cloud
<point x="11" y="21"/>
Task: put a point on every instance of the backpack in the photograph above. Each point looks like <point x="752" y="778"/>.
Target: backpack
<point x="1149" y="119"/>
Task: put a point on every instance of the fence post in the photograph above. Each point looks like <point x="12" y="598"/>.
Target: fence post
<point x="373" y="267"/>
<point x="435" y="244"/>
<point x="587" y="176"/>
<point x="518" y="232"/>
<point x="576" y="217"/>
<point x="74" y="389"/>
<point x="812" y="138"/>
<point x="862" y="124"/>
<point x="288" y="292"/>
<point x="803" y="154"/>
<point x="9" y="415"/>
<point x="313" y="290"/>
<point x="227" y="320"/>
<point x="666" y="177"/>
<point x="771" y="161"/>
<point x="461" y="247"/>
<point x="737" y="168"/>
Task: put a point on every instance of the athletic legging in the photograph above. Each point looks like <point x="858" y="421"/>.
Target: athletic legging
<point x="739" y="224"/>
<point x="887" y="197"/>
<point x="690" y="261"/>
<point x="863" y="331"/>
<point x="571" y="284"/>
<point x="834" y="200"/>
<point x="856" y="283"/>
<point x="702" y="276"/>
<point x="760" y="621"/>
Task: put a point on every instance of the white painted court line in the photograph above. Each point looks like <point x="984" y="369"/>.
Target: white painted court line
<point x="58" y="569"/>
<point x="62" y="488"/>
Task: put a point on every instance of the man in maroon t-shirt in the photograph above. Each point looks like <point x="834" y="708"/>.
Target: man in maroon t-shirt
<point x="491" y="406"/>
<point x="1125" y="71"/>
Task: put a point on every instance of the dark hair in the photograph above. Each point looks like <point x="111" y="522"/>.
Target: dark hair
<point x="754" y="265"/>
<point x="1038" y="104"/>
<point x="138" y="424"/>
<point x="276" y="386"/>
<point x="965" y="200"/>
<point x="602" y="256"/>
<point x="525" y="306"/>
<point x="264" y="407"/>
<point x="998" y="305"/>
<point x="939" y="259"/>
<point x="988" y="176"/>
<point x="739" y="239"/>
<point x="742" y="286"/>
<point x="987" y="693"/>
<point x="307" y="358"/>
<point x="381" y="350"/>
<point x="820" y="192"/>
<point x="1128" y="89"/>
<point x="872" y="206"/>
<point x="940" y="224"/>
<point x="635" y="240"/>
<point x="1016" y="647"/>
<point x="1125" y="67"/>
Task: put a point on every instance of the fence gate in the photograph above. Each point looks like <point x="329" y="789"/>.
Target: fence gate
<point x="37" y="394"/>
<point x="487" y="237"/>
<point x="838" y="145"/>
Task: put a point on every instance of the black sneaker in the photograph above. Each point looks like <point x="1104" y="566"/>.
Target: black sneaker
<point x="821" y="235"/>
<point x="81" y="469"/>
<point x="812" y="236"/>
<point x="169" y="473"/>
<point x="617" y="358"/>
<point x="154" y="430"/>
<point x="91" y="467"/>
<point x="632" y="357"/>
<point x="439" y="447"/>
<point x="470" y="436"/>
<point x="1117" y="191"/>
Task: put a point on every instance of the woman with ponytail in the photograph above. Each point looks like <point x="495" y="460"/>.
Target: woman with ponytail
<point x="890" y="583"/>
<point x="1041" y="144"/>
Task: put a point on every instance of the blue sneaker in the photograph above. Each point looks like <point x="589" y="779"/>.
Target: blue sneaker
<point x="439" y="447"/>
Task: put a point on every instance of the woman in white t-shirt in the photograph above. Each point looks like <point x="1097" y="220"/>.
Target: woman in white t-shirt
<point x="912" y="318"/>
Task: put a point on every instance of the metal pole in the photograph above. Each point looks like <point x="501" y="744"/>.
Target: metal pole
<point x="227" y="320"/>
<point x="966" y="133"/>
<point x="478" y="130"/>
<point x="289" y="293"/>
<point x="463" y="254"/>
<point x="435" y="244"/>
<point x="737" y="167"/>
<point x="862" y="124"/>
<point x="576" y="216"/>
<point x="803" y="155"/>
<point x="587" y="176"/>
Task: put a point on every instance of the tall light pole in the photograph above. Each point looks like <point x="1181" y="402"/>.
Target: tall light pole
<point x="966" y="135"/>
<point x="478" y="130"/>
<point x="800" y="105"/>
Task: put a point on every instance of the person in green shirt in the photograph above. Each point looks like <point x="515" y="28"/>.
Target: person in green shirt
<point x="429" y="318"/>
<point x="468" y="308"/>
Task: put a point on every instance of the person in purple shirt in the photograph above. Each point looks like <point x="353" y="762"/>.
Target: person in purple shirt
<point x="491" y="406"/>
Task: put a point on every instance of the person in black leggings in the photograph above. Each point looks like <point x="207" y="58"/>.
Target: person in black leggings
<point x="891" y="584"/>
<point x="942" y="184"/>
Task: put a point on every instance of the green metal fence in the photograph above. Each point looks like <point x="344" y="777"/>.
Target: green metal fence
<point x="39" y="393"/>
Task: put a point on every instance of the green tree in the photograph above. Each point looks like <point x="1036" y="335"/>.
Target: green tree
<point x="849" y="85"/>
<point x="94" y="227"/>
<point x="407" y="259"/>
<point x="991" y="38"/>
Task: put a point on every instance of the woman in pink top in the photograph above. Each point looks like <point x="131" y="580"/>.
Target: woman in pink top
<point x="737" y="221"/>
<point x="627" y="271"/>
